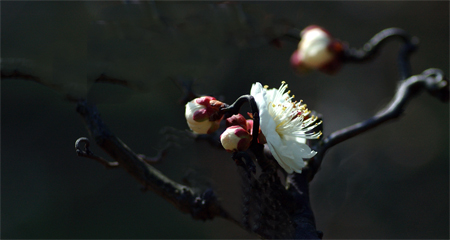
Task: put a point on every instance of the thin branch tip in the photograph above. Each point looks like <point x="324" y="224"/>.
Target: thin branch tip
<point x="88" y="154"/>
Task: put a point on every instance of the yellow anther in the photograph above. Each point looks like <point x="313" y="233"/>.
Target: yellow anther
<point x="283" y="82"/>
<point x="266" y="86"/>
<point x="289" y="91"/>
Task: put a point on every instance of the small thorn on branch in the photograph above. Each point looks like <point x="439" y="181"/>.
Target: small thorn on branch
<point x="88" y="154"/>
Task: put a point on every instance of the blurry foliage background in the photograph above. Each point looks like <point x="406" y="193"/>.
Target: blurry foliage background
<point x="392" y="182"/>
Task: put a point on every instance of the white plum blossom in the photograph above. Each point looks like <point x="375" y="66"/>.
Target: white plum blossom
<point x="285" y="125"/>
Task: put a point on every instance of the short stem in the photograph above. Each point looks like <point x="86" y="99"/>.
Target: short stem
<point x="236" y="106"/>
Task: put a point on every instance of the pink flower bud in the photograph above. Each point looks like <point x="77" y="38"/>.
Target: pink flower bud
<point x="237" y="120"/>
<point x="235" y="138"/>
<point x="317" y="50"/>
<point x="203" y="115"/>
<point x="261" y="137"/>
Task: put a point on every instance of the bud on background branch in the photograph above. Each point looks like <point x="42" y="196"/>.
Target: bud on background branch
<point x="317" y="50"/>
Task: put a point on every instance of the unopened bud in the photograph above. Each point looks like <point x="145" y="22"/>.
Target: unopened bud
<point x="237" y="120"/>
<point x="202" y="114"/>
<point x="317" y="50"/>
<point x="235" y="138"/>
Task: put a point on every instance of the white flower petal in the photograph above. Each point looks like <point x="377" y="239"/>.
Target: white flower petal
<point x="283" y="125"/>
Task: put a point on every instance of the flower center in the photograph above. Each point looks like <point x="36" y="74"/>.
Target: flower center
<point x="291" y="118"/>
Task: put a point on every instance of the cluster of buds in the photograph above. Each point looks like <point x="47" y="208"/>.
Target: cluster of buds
<point x="203" y="116"/>
<point x="317" y="50"/>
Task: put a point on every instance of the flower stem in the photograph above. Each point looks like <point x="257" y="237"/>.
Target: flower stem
<point x="235" y="108"/>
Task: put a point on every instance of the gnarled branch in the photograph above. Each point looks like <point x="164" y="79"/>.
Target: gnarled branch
<point x="201" y="205"/>
<point x="371" y="48"/>
<point x="432" y="80"/>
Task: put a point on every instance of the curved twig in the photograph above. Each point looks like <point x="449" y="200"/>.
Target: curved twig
<point x="88" y="154"/>
<point x="432" y="80"/>
<point x="371" y="48"/>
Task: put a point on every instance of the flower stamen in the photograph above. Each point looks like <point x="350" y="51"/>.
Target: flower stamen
<point x="286" y="125"/>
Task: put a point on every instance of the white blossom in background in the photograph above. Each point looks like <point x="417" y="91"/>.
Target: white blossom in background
<point x="317" y="49"/>
<point x="285" y="125"/>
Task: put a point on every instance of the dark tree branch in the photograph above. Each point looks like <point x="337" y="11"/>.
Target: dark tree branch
<point x="103" y="78"/>
<point x="432" y="80"/>
<point x="298" y="187"/>
<point x="137" y="86"/>
<point x="16" y="74"/>
<point x="159" y="156"/>
<point x="270" y="209"/>
<point x="200" y="205"/>
<point x="20" y="75"/>
<point x="371" y="48"/>
<point x="88" y="154"/>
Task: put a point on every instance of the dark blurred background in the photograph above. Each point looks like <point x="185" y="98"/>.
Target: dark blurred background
<point x="391" y="182"/>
